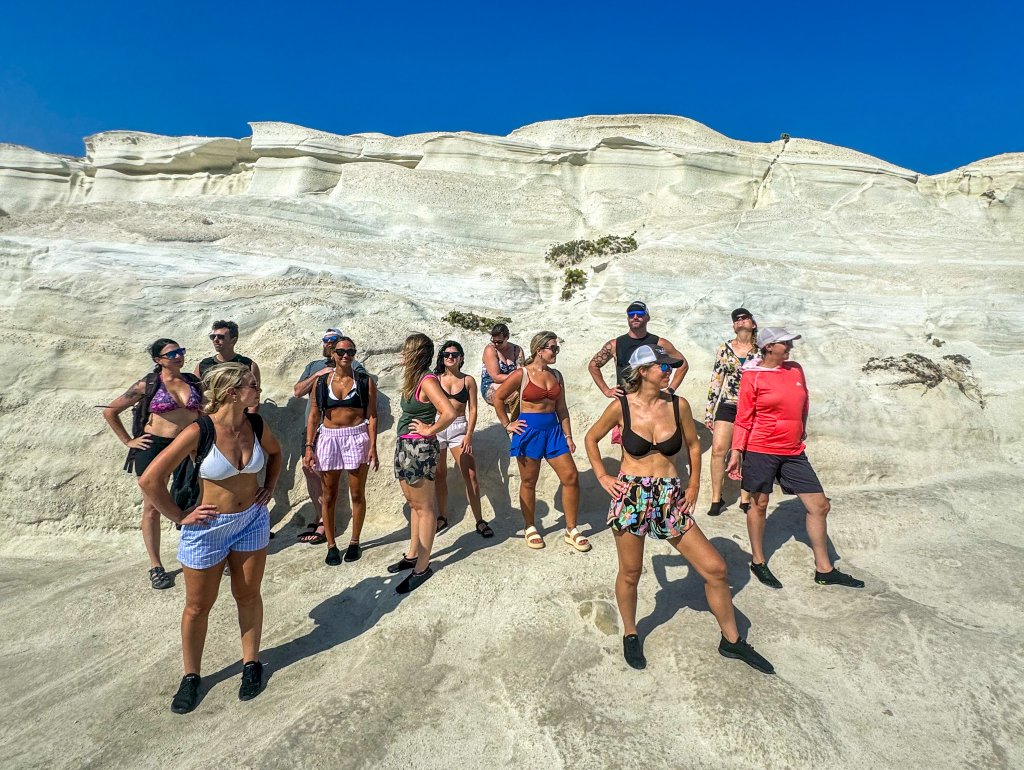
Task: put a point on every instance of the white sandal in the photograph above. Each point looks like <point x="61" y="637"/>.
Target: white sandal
<point x="574" y="537"/>
<point x="533" y="538"/>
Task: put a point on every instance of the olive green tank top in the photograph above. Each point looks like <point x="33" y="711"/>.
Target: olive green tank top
<point x="413" y="409"/>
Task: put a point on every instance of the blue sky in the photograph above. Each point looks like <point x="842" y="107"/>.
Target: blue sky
<point x="930" y="86"/>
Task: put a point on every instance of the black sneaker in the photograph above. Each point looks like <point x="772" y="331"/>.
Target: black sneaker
<point x="353" y="552"/>
<point x="401" y="565"/>
<point x="837" y="578"/>
<point x="252" y="680"/>
<point x="743" y="651"/>
<point x="762" y="573"/>
<point x="716" y="508"/>
<point x="414" y="580"/>
<point x="745" y="507"/>
<point x="633" y="652"/>
<point x="187" y="696"/>
<point x="333" y="556"/>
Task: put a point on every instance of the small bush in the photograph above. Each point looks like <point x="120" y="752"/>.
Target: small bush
<point x="474" y="322"/>
<point x="574" y="281"/>
<point x="574" y="252"/>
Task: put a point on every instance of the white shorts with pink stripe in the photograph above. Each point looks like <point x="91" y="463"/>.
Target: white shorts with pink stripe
<point x="343" y="449"/>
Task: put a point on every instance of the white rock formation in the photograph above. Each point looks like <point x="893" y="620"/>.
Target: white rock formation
<point x="292" y="230"/>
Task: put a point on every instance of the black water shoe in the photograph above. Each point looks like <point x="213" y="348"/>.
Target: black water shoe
<point x="414" y="580"/>
<point x="633" y="652"/>
<point x="401" y="565"/>
<point x="716" y="508"/>
<point x="353" y="552"/>
<point x="252" y="680"/>
<point x="762" y="573"/>
<point x="837" y="578"/>
<point x="743" y="651"/>
<point x="187" y="696"/>
<point x="333" y="556"/>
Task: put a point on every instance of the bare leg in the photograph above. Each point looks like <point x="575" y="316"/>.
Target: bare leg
<point x="710" y="565"/>
<point x="529" y="471"/>
<point x="246" y="578"/>
<point x="151" y="531"/>
<point x="630" y="549"/>
<point x="201" y="589"/>
<point x="755" y="525"/>
<point x="357" y="494"/>
<point x="721" y="442"/>
<point x="315" y="488"/>
<point x="467" y="464"/>
<point x="818" y="506"/>
<point x="565" y="467"/>
<point x="422" y="519"/>
<point x="441" y="483"/>
<point x="331" y="480"/>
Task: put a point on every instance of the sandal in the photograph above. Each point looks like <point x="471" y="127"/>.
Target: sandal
<point x="533" y="538"/>
<point x="484" y="529"/>
<point x="442" y="523"/>
<point x="574" y="538"/>
<point x="159" y="578"/>
<point x="314" y="534"/>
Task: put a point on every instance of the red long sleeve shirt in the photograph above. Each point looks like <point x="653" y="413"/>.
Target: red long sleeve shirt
<point x="771" y="416"/>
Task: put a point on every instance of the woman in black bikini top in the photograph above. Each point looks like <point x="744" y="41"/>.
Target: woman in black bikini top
<point x="650" y="499"/>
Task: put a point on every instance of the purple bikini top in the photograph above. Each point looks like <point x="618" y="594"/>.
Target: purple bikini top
<point x="163" y="401"/>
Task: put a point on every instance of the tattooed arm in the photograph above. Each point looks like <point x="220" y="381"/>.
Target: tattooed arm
<point x="603" y="356"/>
<point x="112" y="414"/>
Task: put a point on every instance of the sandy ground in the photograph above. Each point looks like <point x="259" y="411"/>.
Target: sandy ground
<point x="509" y="657"/>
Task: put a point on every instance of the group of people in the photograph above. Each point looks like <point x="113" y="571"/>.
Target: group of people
<point x="204" y="431"/>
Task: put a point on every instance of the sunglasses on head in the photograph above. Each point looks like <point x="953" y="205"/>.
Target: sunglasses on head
<point x="451" y="354"/>
<point x="342" y="352"/>
<point x="179" y="353"/>
<point x="216" y="337"/>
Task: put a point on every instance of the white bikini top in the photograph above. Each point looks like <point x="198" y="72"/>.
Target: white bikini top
<point x="217" y="467"/>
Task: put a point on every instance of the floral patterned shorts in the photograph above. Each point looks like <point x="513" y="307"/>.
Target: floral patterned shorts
<point x="650" y="506"/>
<point x="416" y="459"/>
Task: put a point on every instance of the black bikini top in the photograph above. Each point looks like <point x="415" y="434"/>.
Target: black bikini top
<point x="638" y="446"/>
<point x="462" y="396"/>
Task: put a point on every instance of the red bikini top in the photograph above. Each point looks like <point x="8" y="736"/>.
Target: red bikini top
<point x="535" y="394"/>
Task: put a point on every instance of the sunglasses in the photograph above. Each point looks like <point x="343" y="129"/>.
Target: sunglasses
<point x="498" y="340"/>
<point x="342" y="352"/>
<point x="255" y="387"/>
<point x="216" y="337"/>
<point x="331" y="338"/>
<point x="741" y="318"/>
<point x="451" y="354"/>
<point x="665" y="368"/>
<point x="179" y="353"/>
<point x="553" y="348"/>
<point x="636" y="314"/>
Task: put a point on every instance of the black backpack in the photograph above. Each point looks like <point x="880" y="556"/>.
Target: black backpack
<point x="362" y="388"/>
<point x="186" y="496"/>
<point x="140" y="412"/>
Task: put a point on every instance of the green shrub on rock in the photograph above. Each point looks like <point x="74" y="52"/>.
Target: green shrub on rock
<point x="474" y="322"/>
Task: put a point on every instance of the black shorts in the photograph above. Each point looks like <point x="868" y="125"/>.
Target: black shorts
<point x="793" y="472"/>
<point x="725" y="412"/>
<point x="143" y="457"/>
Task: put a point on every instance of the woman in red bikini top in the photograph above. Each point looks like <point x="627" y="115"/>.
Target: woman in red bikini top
<point x="171" y="408"/>
<point x="542" y="432"/>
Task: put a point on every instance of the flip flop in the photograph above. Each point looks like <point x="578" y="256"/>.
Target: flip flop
<point x="533" y="538"/>
<point x="484" y="529"/>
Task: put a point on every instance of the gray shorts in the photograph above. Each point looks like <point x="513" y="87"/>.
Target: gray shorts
<point x="452" y="435"/>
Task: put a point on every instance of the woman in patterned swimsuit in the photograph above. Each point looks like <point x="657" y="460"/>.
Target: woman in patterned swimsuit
<point x="649" y="498"/>
<point x="723" y="395"/>
<point x="173" y="406"/>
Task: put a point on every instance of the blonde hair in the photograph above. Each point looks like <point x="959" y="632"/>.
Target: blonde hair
<point x="634" y="377"/>
<point x="218" y="381"/>
<point x="418" y="355"/>
<point x="540" y="340"/>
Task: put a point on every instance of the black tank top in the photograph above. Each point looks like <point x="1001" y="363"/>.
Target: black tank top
<point x="624" y="347"/>
<point x="638" y="446"/>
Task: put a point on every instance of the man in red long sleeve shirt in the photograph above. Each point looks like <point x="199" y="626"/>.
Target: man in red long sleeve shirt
<point x="768" y="443"/>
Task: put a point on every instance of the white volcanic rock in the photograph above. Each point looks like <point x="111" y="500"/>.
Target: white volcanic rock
<point x="516" y="654"/>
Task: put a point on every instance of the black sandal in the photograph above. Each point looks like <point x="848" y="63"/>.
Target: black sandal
<point x="159" y="578"/>
<point x="484" y="529"/>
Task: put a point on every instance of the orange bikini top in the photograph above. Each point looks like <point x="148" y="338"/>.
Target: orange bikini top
<point x="535" y="394"/>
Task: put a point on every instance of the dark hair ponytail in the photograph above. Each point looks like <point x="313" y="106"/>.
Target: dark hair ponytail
<point x="156" y="347"/>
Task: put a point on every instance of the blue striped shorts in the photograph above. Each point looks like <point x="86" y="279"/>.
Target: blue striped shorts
<point x="206" y="545"/>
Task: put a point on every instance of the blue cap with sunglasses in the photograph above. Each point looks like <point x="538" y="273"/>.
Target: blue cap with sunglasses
<point x="332" y="335"/>
<point x="637" y="308"/>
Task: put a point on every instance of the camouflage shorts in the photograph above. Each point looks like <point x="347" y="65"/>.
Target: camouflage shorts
<point x="416" y="459"/>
